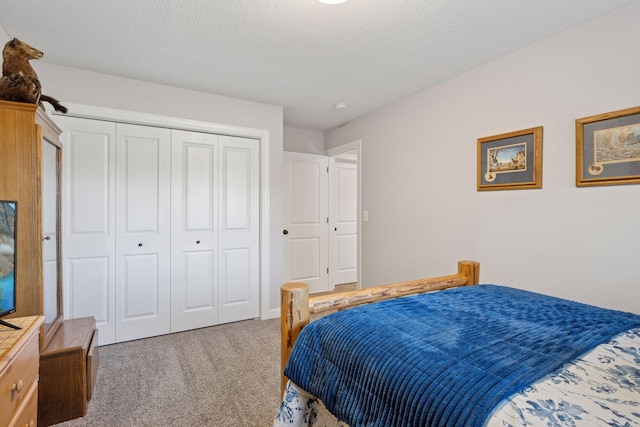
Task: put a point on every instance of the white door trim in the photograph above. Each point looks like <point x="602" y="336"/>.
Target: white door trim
<point x="341" y="149"/>
<point x="131" y="117"/>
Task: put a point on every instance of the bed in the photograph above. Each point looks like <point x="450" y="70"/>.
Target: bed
<point x="448" y="351"/>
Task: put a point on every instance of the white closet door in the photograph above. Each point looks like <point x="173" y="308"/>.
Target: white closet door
<point x="239" y="229"/>
<point x="88" y="227"/>
<point x="143" y="243"/>
<point x="194" y="237"/>
<point x="140" y="264"/>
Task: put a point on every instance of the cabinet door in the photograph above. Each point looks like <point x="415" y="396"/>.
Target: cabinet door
<point x="194" y="236"/>
<point x="50" y="217"/>
<point x="143" y="238"/>
<point x="89" y="221"/>
<point x="239" y="229"/>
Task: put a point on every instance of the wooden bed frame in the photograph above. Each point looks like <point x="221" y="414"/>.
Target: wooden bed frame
<point x="297" y="306"/>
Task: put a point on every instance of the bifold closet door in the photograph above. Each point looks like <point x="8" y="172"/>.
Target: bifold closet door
<point x="117" y="260"/>
<point x="215" y="230"/>
<point x="161" y="228"/>
<point x="88" y="225"/>
<point x="194" y="236"/>
<point x="239" y="229"/>
<point x="143" y="232"/>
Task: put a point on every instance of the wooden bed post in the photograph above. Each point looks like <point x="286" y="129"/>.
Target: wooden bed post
<point x="294" y="315"/>
<point x="471" y="270"/>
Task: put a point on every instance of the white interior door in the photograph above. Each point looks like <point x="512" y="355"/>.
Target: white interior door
<point x="344" y="221"/>
<point x="194" y="236"/>
<point x="306" y="220"/>
<point x="143" y="243"/>
<point x="239" y="229"/>
<point x="88" y="228"/>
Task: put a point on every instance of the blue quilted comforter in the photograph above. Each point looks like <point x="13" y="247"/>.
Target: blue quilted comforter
<point x="446" y="358"/>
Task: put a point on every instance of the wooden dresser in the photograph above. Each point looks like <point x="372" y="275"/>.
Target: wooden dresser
<point x="68" y="370"/>
<point x="19" y="359"/>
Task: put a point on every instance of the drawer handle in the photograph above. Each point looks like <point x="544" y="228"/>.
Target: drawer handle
<point x="17" y="387"/>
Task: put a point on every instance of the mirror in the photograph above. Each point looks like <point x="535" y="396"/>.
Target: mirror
<point x="51" y="244"/>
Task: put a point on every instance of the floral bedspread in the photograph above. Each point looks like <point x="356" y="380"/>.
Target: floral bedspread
<point x="601" y="388"/>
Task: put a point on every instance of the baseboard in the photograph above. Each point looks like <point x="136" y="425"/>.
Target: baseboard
<point x="273" y="313"/>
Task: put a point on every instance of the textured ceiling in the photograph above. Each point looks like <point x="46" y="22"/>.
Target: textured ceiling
<point x="300" y="54"/>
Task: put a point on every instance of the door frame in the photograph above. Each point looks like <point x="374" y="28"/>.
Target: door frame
<point x="333" y="152"/>
<point x="262" y="135"/>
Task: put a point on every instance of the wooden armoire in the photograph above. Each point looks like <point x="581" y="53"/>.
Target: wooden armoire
<point x="30" y="175"/>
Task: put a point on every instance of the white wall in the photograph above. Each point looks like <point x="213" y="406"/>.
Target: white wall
<point x="76" y="86"/>
<point x="303" y="141"/>
<point x="419" y="173"/>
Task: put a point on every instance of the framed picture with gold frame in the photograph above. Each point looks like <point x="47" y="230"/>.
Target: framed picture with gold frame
<point x="608" y="148"/>
<point x="510" y="161"/>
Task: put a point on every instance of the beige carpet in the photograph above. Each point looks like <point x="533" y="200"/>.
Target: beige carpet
<point x="226" y="375"/>
<point x="222" y="376"/>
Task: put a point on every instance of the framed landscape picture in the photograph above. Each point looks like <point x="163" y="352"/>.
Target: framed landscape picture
<point x="510" y="161"/>
<point x="608" y="148"/>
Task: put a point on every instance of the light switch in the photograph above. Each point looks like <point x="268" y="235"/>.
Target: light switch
<point x="365" y="215"/>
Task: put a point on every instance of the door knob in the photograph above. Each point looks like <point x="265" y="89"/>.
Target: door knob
<point x="285" y="231"/>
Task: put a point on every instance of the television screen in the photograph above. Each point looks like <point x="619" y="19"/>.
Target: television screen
<point x="7" y="257"/>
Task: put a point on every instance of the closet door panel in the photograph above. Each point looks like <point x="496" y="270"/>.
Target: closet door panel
<point x="141" y="290"/>
<point x="239" y="229"/>
<point x="97" y="299"/>
<point x="198" y="277"/>
<point x="143" y="232"/>
<point x="236" y="267"/>
<point x="194" y="218"/>
<point x="89" y="221"/>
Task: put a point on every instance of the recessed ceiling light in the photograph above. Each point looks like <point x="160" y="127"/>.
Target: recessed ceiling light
<point x="332" y="1"/>
<point x="340" y="106"/>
